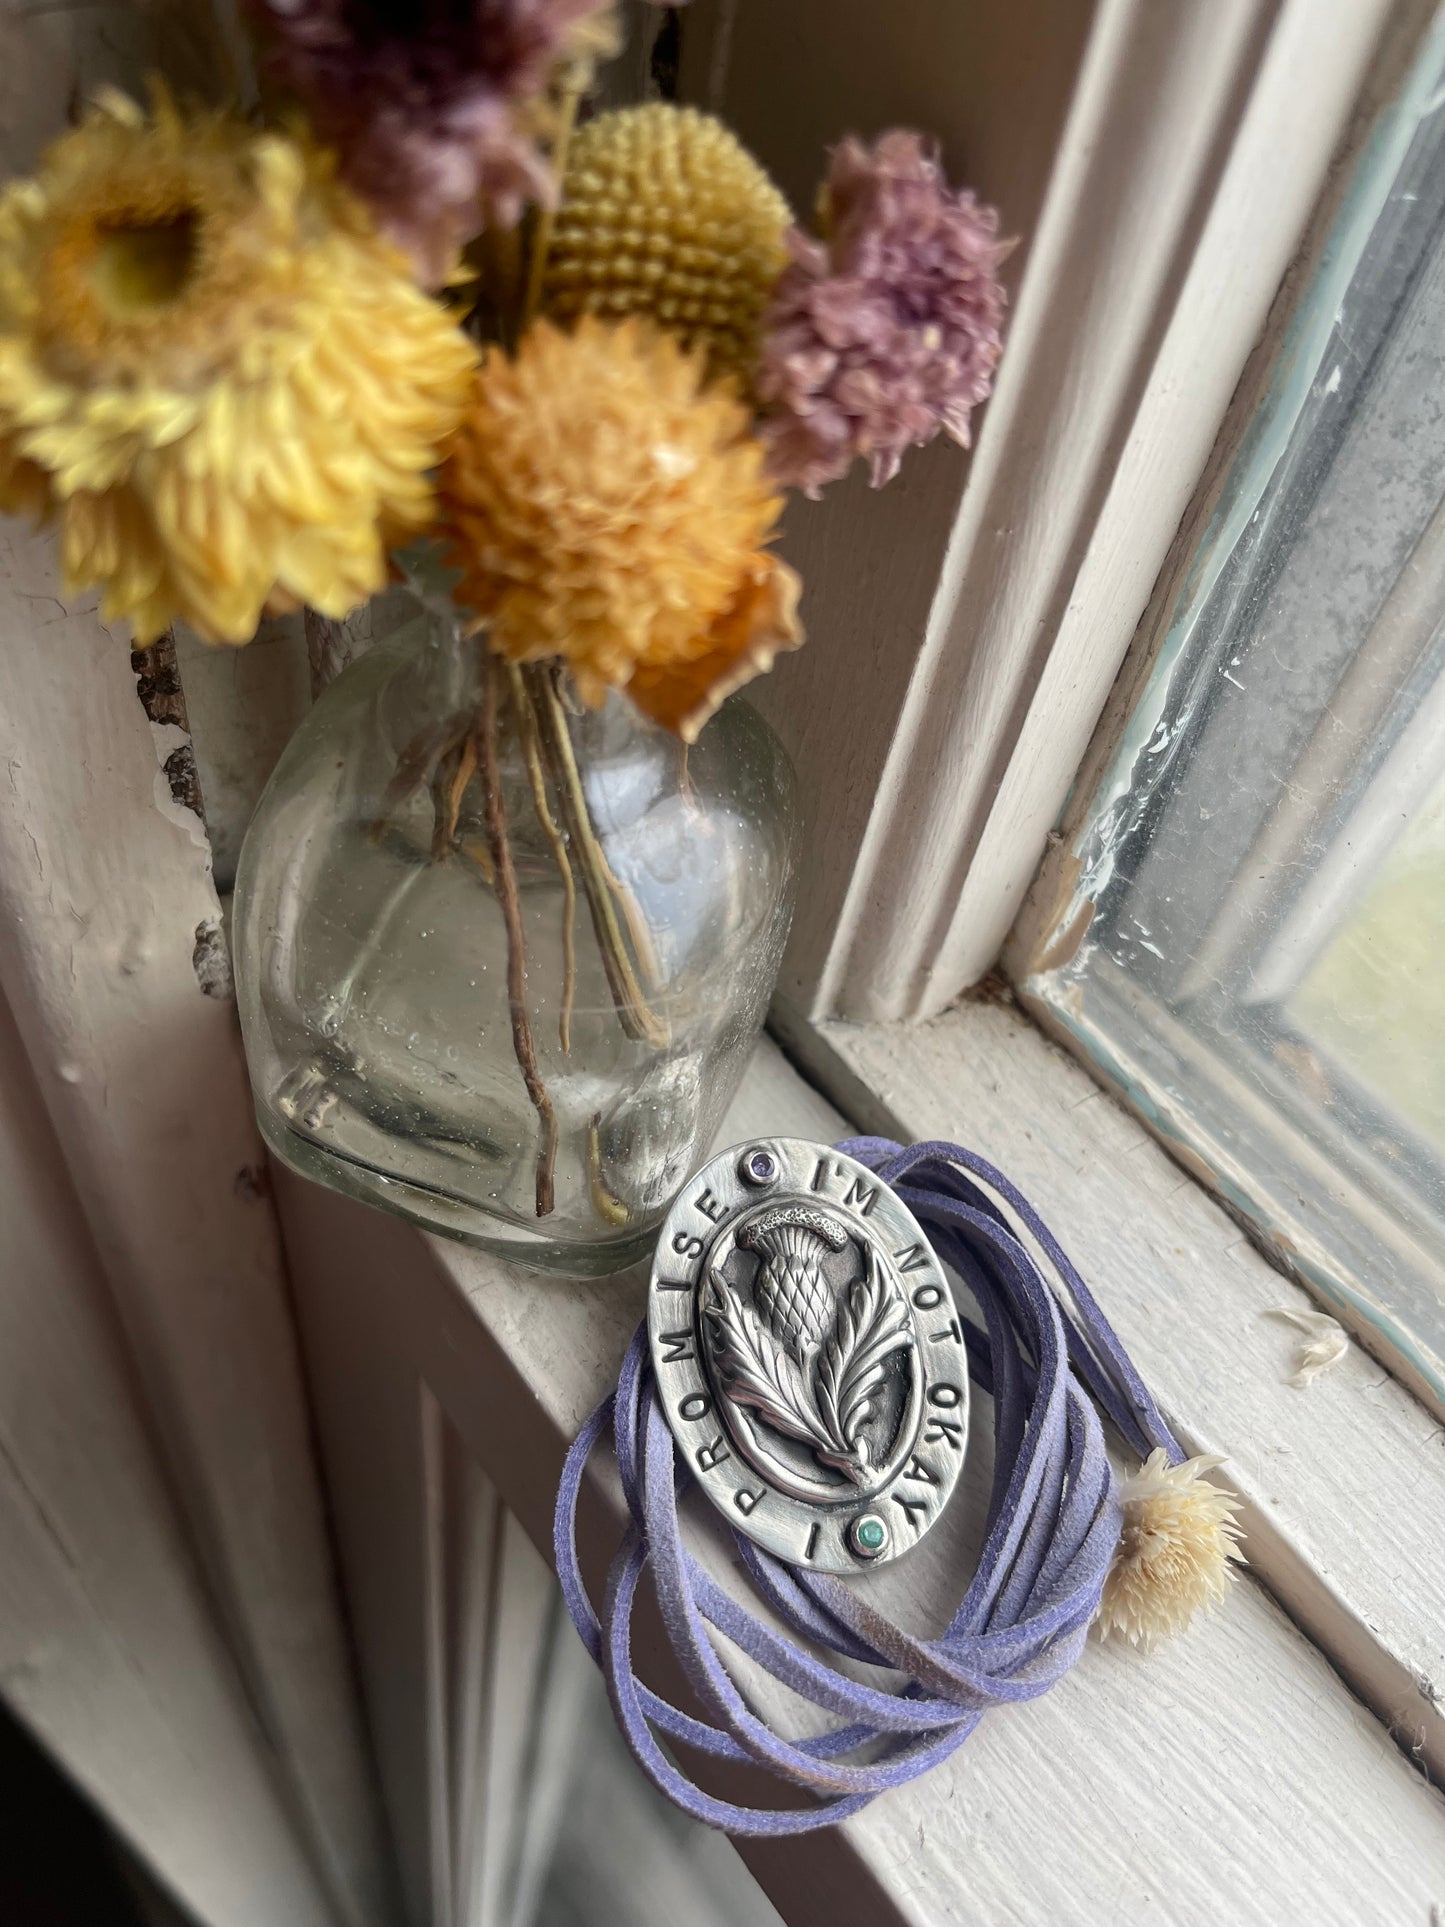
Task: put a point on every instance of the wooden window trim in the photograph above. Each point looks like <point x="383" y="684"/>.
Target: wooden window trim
<point x="1055" y="915"/>
<point x="1152" y="262"/>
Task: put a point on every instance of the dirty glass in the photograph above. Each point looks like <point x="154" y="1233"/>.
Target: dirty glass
<point x="1255" y="946"/>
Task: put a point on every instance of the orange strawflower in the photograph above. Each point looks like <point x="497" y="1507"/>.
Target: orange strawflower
<point x="607" y="506"/>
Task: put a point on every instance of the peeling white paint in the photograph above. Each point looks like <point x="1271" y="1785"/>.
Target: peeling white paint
<point x="168" y="738"/>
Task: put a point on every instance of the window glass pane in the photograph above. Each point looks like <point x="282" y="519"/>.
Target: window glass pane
<point x="1384" y="957"/>
<point x="1255" y="947"/>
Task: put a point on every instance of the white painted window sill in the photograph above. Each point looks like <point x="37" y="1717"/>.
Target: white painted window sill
<point x="1229" y="1776"/>
<point x="1344" y="1479"/>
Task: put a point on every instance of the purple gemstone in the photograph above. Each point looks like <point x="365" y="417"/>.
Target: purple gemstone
<point x="759" y="1167"/>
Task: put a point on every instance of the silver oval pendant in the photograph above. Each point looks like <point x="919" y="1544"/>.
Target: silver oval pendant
<point x="808" y="1354"/>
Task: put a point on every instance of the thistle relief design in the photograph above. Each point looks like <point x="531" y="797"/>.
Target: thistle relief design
<point x="808" y="1354"/>
<point x="811" y="1364"/>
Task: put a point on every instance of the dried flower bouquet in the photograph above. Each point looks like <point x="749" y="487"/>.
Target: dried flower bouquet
<point x="242" y="365"/>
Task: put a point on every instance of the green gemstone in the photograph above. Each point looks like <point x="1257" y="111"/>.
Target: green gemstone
<point x="869" y="1534"/>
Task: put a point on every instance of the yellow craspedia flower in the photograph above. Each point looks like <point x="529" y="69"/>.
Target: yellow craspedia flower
<point x="608" y="507"/>
<point x="665" y="214"/>
<point x="214" y="376"/>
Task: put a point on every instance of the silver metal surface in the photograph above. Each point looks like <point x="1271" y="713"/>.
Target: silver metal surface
<point x="808" y="1354"/>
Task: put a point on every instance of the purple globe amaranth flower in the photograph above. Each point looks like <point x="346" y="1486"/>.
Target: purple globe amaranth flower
<point x="889" y="328"/>
<point x="426" y="103"/>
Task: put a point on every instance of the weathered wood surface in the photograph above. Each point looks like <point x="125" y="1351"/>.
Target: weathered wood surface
<point x="1231" y="1776"/>
<point x="498" y="1705"/>
<point x="109" y="1648"/>
<point x="1345" y="1480"/>
<point x="113" y="965"/>
<point x="111" y="960"/>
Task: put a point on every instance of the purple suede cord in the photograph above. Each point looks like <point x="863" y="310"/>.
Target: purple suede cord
<point x="1046" y="1353"/>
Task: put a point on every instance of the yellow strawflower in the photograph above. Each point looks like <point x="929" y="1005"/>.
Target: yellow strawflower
<point x="214" y="376"/>
<point x="665" y="214"/>
<point x="608" y="507"/>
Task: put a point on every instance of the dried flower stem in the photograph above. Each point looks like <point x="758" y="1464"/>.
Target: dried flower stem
<point x="417" y="765"/>
<point x="473" y="849"/>
<point x="443" y="787"/>
<point x="496" y="298"/>
<point x="438" y="787"/>
<point x="445" y="758"/>
<point x="636" y="1017"/>
<point x="508" y="897"/>
<point x="462" y="774"/>
<point x="605" y="1203"/>
<point x="528" y="738"/>
<point x="638" y="928"/>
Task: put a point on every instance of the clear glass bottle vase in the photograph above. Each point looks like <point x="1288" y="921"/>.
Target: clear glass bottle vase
<point x="380" y="990"/>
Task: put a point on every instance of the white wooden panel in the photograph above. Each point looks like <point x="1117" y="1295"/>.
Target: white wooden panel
<point x="508" y="1716"/>
<point x="628" y="1861"/>
<point x="464" y="1557"/>
<point x="105" y="895"/>
<point x="491" y="1626"/>
<point x="111" y="960"/>
<point x="360" y="1349"/>
<point x="569" y="1684"/>
<point x="1230" y="1777"/>
<point x="108" y="1646"/>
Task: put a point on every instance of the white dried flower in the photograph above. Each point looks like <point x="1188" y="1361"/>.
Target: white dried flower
<point x="1174" y="1553"/>
<point x="1325" y="1342"/>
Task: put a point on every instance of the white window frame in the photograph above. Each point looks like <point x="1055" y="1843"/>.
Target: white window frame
<point x="1196" y="1105"/>
<point x="962" y="660"/>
